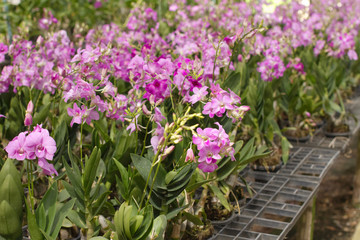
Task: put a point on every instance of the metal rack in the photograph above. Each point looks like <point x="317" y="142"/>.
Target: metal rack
<point x="280" y="198"/>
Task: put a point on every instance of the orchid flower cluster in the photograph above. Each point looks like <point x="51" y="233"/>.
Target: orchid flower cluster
<point x="213" y="144"/>
<point x="35" y="145"/>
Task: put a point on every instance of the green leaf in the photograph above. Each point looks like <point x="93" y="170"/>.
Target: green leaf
<point x="169" y="176"/>
<point x="75" y="218"/>
<point x="91" y="166"/>
<point x="143" y="165"/>
<point x="10" y="193"/>
<point x="198" y="184"/>
<point x="233" y="82"/>
<point x="220" y="196"/>
<point x="192" y="218"/>
<point x="146" y="227"/>
<point x="60" y="216"/>
<point x="49" y="203"/>
<point x="159" y="227"/>
<point x="285" y="146"/>
<point x="40" y="116"/>
<point x="102" y="130"/>
<point x="100" y="202"/>
<point x="33" y="228"/>
<point x="10" y="222"/>
<point x="41" y="217"/>
<point x="123" y="173"/>
<point x="174" y="212"/>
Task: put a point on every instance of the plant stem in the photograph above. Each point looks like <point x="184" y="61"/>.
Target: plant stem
<point x="81" y="136"/>
<point x="137" y="136"/>
<point x="157" y="169"/>
<point x="146" y="133"/>
<point x="90" y="228"/>
<point x="153" y="182"/>
<point x="29" y="178"/>
<point x="216" y="55"/>
<point x="148" y="178"/>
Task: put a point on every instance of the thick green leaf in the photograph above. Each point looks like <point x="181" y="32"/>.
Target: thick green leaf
<point x="91" y="166"/>
<point x="192" y="218"/>
<point x="174" y="212"/>
<point x="75" y="218"/>
<point x="285" y="146"/>
<point x="33" y="228"/>
<point x="198" y="184"/>
<point x="60" y="216"/>
<point x="143" y="165"/>
<point x="49" y="203"/>
<point x="159" y="227"/>
<point x="74" y="178"/>
<point x="10" y="226"/>
<point x="102" y="130"/>
<point x="220" y="196"/>
<point x="40" y="116"/>
<point x="146" y="227"/>
<point x="100" y="202"/>
<point x="123" y="173"/>
<point x="10" y="193"/>
<point x="170" y="176"/>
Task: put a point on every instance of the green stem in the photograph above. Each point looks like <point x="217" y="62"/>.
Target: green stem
<point x="137" y="137"/>
<point x="38" y="100"/>
<point x="81" y="136"/>
<point x="148" y="178"/>
<point x="228" y="66"/>
<point x="29" y="178"/>
<point x="216" y="55"/>
<point x="146" y="133"/>
<point x="90" y="229"/>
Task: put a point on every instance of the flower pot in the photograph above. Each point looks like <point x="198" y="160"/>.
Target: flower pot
<point x="271" y="163"/>
<point x="332" y="131"/>
<point x="216" y="212"/>
<point x="225" y="221"/>
<point x="261" y="168"/>
<point x="298" y="135"/>
<point x="206" y="231"/>
<point x="337" y="134"/>
<point x="296" y="139"/>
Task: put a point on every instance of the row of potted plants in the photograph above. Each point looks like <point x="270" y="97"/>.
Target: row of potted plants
<point x="137" y="130"/>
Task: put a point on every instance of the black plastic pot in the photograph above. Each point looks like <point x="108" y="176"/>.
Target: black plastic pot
<point x="224" y="222"/>
<point x="335" y="134"/>
<point x="295" y="139"/>
<point x="262" y="168"/>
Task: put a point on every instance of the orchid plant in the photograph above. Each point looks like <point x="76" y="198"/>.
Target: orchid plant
<point x="126" y="122"/>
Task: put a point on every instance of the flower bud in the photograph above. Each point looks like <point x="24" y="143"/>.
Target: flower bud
<point x="189" y="155"/>
<point x="169" y="150"/>
<point x="145" y="110"/>
<point x="28" y="119"/>
<point x="176" y="139"/>
<point x="152" y="99"/>
<point x="30" y="107"/>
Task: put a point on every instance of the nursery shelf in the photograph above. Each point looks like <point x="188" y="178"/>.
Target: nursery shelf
<point x="320" y="140"/>
<point x="280" y="198"/>
<point x="310" y="163"/>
